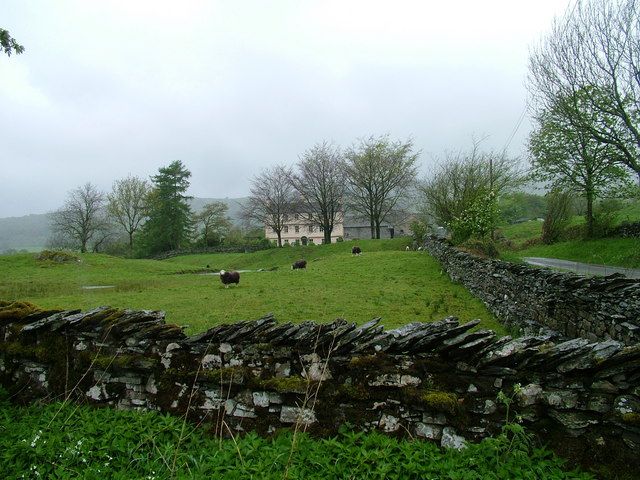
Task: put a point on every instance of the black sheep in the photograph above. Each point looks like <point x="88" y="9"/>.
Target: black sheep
<point x="229" y="277"/>
<point x="356" y="250"/>
<point x="299" y="265"/>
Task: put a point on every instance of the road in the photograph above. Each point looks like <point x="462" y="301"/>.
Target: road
<point x="582" y="268"/>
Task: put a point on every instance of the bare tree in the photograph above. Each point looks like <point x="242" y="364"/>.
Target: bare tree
<point x="127" y="203"/>
<point x="213" y="223"/>
<point x="594" y="51"/>
<point x="462" y="177"/>
<point x="270" y="199"/>
<point x="81" y="218"/>
<point x="320" y="184"/>
<point x="379" y="173"/>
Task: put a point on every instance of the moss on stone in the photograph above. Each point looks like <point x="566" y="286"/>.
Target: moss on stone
<point x="441" y="401"/>
<point x="631" y="418"/>
<point x="111" y="316"/>
<point x="355" y="392"/>
<point x="234" y="375"/>
<point x="286" y="384"/>
<point x="17" y="310"/>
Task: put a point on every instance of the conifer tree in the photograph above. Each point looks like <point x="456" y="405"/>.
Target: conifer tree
<point x="169" y="224"/>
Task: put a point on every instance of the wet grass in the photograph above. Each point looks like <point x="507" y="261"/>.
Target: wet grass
<point x="384" y="281"/>
<point x="620" y="252"/>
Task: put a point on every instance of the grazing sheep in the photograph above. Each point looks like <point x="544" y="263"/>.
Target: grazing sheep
<point x="300" y="264"/>
<point x="229" y="277"/>
<point x="356" y="250"/>
<point x="407" y="249"/>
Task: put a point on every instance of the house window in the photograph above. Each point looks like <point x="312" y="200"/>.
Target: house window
<point x="286" y="229"/>
<point x="322" y="228"/>
<point x="286" y="241"/>
<point x="297" y="229"/>
<point x="309" y="216"/>
<point x="296" y="216"/>
<point x="310" y="228"/>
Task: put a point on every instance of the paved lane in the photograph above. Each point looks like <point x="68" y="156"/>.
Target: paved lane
<point x="582" y="268"/>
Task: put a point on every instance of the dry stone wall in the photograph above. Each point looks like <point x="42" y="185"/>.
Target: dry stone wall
<point x="438" y="381"/>
<point x="534" y="299"/>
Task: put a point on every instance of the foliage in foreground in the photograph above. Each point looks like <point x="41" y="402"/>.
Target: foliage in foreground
<point x="66" y="441"/>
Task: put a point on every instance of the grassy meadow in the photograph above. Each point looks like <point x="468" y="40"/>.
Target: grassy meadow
<point x="621" y="252"/>
<point x="385" y="281"/>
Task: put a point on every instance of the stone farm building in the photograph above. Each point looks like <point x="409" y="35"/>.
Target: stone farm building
<point x="302" y="228"/>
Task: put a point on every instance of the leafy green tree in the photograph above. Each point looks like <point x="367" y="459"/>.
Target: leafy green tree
<point x="169" y="214"/>
<point x="517" y="206"/>
<point x="9" y="44"/>
<point x="379" y="173"/>
<point x="568" y="157"/>
<point x="213" y="223"/>
<point x="126" y="204"/>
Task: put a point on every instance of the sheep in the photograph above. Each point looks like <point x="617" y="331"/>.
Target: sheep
<point x="300" y="264"/>
<point x="407" y="249"/>
<point x="356" y="250"/>
<point x="229" y="277"/>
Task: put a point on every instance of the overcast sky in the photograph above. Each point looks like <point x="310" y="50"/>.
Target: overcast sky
<point x="111" y="88"/>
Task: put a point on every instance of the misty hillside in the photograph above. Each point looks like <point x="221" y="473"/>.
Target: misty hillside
<point x="32" y="231"/>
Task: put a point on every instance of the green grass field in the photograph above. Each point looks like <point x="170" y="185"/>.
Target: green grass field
<point x="385" y="281"/>
<point x="621" y="252"/>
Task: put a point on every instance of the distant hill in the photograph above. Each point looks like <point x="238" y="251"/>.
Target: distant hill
<point x="31" y="232"/>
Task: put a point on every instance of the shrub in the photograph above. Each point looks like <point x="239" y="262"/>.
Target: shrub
<point x="605" y="217"/>
<point x="557" y="216"/>
<point x="478" y="220"/>
<point x="485" y="247"/>
<point x="419" y="231"/>
<point x="57" y="256"/>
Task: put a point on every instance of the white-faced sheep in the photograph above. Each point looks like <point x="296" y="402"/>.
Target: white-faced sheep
<point x="300" y="264"/>
<point x="229" y="277"/>
<point x="356" y="250"/>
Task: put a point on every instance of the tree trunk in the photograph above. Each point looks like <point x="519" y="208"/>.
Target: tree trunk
<point x="279" y="232"/>
<point x="327" y="235"/>
<point x="373" y="228"/>
<point x="377" y="231"/>
<point x="589" y="214"/>
<point x="130" y="241"/>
